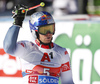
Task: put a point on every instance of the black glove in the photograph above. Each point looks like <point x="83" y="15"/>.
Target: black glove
<point x="19" y="14"/>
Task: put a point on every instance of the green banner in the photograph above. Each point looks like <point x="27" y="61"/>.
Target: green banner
<point x="84" y="46"/>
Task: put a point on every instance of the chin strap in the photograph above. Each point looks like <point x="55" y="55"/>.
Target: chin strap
<point x="49" y="44"/>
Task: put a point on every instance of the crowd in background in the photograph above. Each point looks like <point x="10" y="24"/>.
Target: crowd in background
<point x="56" y="7"/>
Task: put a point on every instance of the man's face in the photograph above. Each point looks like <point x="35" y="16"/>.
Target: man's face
<point x="45" y="38"/>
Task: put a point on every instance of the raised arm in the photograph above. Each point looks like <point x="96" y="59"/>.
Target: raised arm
<point x="10" y="39"/>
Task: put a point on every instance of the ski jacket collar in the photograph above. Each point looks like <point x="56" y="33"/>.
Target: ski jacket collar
<point x="45" y="46"/>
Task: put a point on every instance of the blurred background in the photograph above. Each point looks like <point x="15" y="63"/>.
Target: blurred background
<point x="77" y="30"/>
<point x="56" y="7"/>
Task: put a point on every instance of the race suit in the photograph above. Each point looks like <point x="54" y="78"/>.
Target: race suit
<point x="40" y="63"/>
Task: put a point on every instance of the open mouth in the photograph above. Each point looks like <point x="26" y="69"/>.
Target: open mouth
<point x="48" y="37"/>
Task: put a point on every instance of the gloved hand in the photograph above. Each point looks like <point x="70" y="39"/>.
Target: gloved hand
<point x="19" y="13"/>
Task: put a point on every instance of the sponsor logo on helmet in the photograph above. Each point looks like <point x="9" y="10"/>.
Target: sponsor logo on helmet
<point x="45" y="17"/>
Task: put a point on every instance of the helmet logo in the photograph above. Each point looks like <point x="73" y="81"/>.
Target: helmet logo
<point x="45" y="17"/>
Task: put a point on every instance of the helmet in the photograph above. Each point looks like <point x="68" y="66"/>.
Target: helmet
<point x="40" y="19"/>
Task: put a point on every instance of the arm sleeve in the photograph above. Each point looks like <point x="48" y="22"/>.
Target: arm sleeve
<point x="66" y="72"/>
<point x="10" y="40"/>
<point x="14" y="48"/>
<point x="10" y="44"/>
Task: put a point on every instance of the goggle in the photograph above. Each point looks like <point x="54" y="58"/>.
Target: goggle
<point x="47" y="29"/>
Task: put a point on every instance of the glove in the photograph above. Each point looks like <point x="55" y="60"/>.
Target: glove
<point x="19" y="13"/>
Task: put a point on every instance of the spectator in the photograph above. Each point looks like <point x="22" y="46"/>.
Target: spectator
<point x="63" y="7"/>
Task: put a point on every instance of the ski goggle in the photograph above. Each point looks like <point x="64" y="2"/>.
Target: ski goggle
<point x="47" y="29"/>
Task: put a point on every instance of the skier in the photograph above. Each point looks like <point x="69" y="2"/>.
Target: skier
<point x="43" y="62"/>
